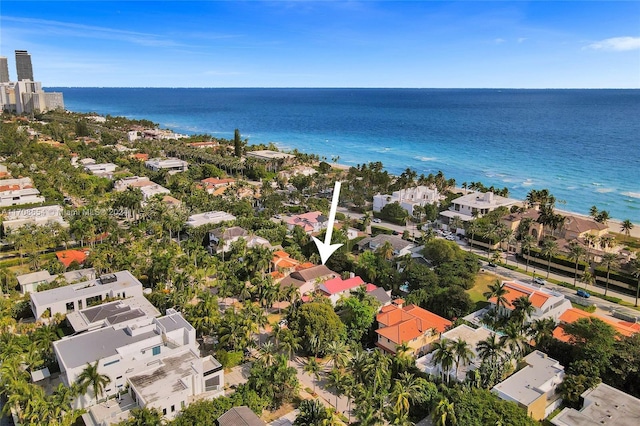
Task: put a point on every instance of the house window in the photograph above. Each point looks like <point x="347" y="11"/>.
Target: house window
<point x="111" y="362"/>
<point x="182" y="404"/>
<point x="156" y="350"/>
<point x="119" y="377"/>
<point x="173" y="408"/>
<point x="164" y="411"/>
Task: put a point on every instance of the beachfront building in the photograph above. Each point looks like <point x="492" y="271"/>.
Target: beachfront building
<point x="306" y="280"/>
<point x="73" y="297"/>
<point x="601" y="405"/>
<point x="407" y="198"/>
<point x="476" y="204"/>
<point x="417" y="327"/>
<point x="547" y="303"/>
<point x="534" y="387"/>
<point x="173" y="165"/>
<point x="623" y="328"/>
<point x="400" y="247"/>
<point x="273" y="160"/>
<point x="312" y="222"/>
<point x="157" y="359"/>
<point x="463" y="332"/>
<point x="25" y="97"/>
<point x="209" y="218"/>
<point x="18" y="191"/>
<point x="148" y="188"/>
<point x="37" y="216"/>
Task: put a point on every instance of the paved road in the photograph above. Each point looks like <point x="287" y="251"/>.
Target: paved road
<point x="541" y="272"/>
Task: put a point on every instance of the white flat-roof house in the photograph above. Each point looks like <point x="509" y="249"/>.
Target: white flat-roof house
<point x="209" y="218"/>
<point x="172" y="164"/>
<point x="14" y="192"/>
<point x="144" y="184"/>
<point x="74" y="297"/>
<point x="602" y="405"/>
<point x="157" y="357"/>
<point x="407" y="198"/>
<point x="38" y="216"/>
<point x="534" y="387"/>
<point x="476" y="204"/>
<point x="29" y="283"/>
<point x="111" y="313"/>
<point x="547" y="303"/>
<point x="101" y="169"/>
<point x="463" y="332"/>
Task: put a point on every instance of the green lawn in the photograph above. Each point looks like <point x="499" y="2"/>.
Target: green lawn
<point x="483" y="279"/>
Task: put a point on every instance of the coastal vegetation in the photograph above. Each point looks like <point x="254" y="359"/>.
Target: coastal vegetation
<point x="229" y="296"/>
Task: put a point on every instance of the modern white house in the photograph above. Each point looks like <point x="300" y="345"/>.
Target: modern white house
<point x="462" y="332"/>
<point x="602" y="405"/>
<point x="534" y="387"/>
<point x="78" y="296"/>
<point x="158" y="358"/>
<point x="102" y="169"/>
<point x="38" y="216"/>
<point x="111" y="313"/>
<point x="407" y="198"/>
<point x="547" y="303"/>
<point x="30" y="282"/>
<point x="476" y="204"/>
<point x="209" y="218"/>
<point x="172" y="164"/>
<point x="18" y="191"/>
<point x="144" y="184"/>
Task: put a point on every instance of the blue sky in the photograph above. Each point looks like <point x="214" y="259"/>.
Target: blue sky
<point x="508" y="44"/>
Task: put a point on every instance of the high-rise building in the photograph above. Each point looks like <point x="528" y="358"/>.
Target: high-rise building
<point x="4" y="70"/>
<point x="23" y="65"/>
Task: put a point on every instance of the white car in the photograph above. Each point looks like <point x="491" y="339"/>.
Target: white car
<point x="450" y="237"/>
<point x="376" y="220"/>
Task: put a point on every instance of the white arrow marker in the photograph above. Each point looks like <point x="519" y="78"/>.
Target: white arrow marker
<point x="326" y="249"/>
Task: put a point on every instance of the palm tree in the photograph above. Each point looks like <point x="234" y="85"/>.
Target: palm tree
<point x="443" y="355"/>
<point x="91" y="377"/>
<point x="549" y="250"/>
<point x="491" y="349"/>
<point x="312" y="413"/>
<point x="497" y="290"/>
<point x="385" y="250"/>
<point x="444" y="413"/>
<point x="338" y="353"/>
<point x="522" y="309"/>
<point x="407" y="388"/>
<point x="267" y="353"/>
<point x="528" y="241"/>
<point x="462" y="353"/>
<point x="609" y="259"/>
<point x="313" y="368"/>
<point x="635" y="271"/>
<point x="576" y="251"/>
<point x="513" y="339"/>
<point x="541" y="330"/>
<point x="473" y="229"/>
<point x="587" y="279"/>
<point x="626" y="227"/>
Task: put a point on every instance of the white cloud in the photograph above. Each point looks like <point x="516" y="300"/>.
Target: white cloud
<point x="499" y="41"/>
<point x="521" y="39"/>
<point x="616" y="44"/>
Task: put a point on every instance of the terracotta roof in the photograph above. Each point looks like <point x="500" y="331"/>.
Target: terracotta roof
<point x="141" y="156"/>
<point x="216" y="181"/>
<point x="371" y="287"/>
<point x="338" y="285"/>
<point x="579" y="224"/>
<point x="515" y="291"/>
<point x="401" y="325"/>
<point x="67" y="257"/>
<point x="573" y="314"/>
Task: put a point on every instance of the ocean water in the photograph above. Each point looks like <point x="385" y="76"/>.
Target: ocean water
<point x="582" y="145"/>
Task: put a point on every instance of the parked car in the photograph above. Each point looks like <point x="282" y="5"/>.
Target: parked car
<point x="583" y="293"/>
<point x="450" y="237"/>
<point x="539" y="281"/>
<point x="376" y="220"/>
<point x="491" y="264"/>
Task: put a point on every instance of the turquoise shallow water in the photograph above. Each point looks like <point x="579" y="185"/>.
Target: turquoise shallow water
<point x="583" y="145"/>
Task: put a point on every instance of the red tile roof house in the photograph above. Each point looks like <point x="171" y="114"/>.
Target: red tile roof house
<point x="547" y="304"/>
<point x="67" y="257"/>
<point x="311" y="222"/>
<point x="308" y="279"/>
<point x="216" y="186"/>
<point x="411" y="324"/>
<point x="337" y="288"/>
